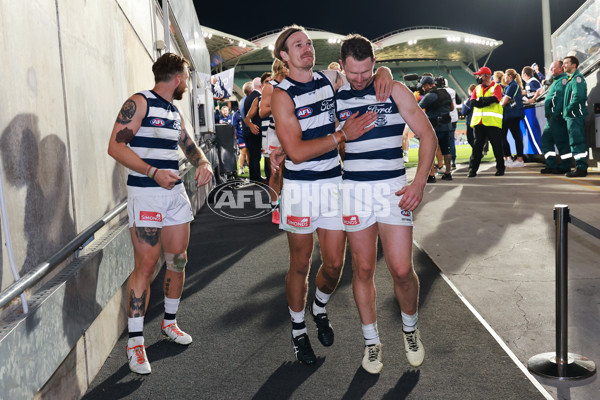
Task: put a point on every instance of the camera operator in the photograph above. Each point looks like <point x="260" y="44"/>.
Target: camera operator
<point x="438" y="104"/>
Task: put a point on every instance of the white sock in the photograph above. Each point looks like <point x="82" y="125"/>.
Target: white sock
<point x="135" y="326"/>
<point x="171" y="307"/>
<point x="322" y="299"/>
<point x="298" y="324"/>
<point x="371" y="334"/>
<point x="409" y="322"/>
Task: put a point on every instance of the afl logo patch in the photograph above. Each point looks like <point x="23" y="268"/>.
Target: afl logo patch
<point x="344" y="115"/>
<point x="564" y="81"/>
<point x="304" y="112"/>
<point x="405" y="213"/>
<point x="578" y="79"/>
<point x="157" y="122"/>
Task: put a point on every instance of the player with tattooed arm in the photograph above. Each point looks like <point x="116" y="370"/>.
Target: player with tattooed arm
<point x="144" y="139"/>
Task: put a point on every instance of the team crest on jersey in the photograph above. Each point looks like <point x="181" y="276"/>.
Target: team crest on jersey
<point x="331" y="116"/>
<point x="381" y="120"/>
<point x="344" y="115"/>
<point x="157" y="122"/>
<point x="177" y="125"/>
<point x="564" y="81"/>
<point x="304" y="112"/>
<point x="578" y="79"/>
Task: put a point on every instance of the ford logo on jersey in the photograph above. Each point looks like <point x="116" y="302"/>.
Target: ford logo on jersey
<point x="157" y="122"/>
<point x="304" y="112"/>
<point x="345" y="115"/>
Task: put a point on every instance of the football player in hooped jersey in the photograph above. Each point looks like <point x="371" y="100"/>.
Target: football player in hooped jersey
<point x="303" y="108"/>
<point x="376" y="198"/>
<point x="144" y="139"/>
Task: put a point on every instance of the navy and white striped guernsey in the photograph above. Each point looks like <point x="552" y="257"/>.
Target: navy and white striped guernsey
<point x="156" y="141"/>
<point x="314" y="104"/>
<point x="271" y="127"/>
<point x="376" y="155"/>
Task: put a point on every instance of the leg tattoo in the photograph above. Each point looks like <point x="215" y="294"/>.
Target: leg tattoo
<point x="167" y="284"/>
<point x="137" y="305"/>
<point x="148" y="235"/>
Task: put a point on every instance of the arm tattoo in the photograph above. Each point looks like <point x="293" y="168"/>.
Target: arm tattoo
<point x="191" y="151"/>
<point x="137" y="305"/>
<point x="125" y="135"/>
<point x="148" y="235"/>
<point x="127" y="112"/>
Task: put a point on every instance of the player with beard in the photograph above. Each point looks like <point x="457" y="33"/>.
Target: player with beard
<point x="377" y="198"/>
<point x="303" y="108"/>
<point x="144" y="139"/>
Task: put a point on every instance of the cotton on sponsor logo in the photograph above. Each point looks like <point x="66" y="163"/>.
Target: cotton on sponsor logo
<point x="299" y="222"/>
<point x="304" y="112"/>
<point x="150" y="216"/>
<point x="345" y="115"/>
<point x="351" y="220"/>
<point x="157" y="122"/>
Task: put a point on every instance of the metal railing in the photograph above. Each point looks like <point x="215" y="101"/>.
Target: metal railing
<point x="561" y="364"/>
<point x="41" y="270"/>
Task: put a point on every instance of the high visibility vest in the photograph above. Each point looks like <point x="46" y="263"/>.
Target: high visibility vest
<point x="490" y="115"/>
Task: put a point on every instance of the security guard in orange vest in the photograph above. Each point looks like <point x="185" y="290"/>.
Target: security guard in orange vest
<point x="486" y="121"/>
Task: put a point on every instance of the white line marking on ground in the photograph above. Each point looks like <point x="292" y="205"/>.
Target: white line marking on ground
<point x="498" y="339"/>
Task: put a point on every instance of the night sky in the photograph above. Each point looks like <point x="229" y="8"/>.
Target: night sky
<point x="518" y="23"/>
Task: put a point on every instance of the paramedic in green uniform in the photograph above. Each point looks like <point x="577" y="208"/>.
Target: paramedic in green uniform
<point x="555" y="131"/>
<point x="574" y="113"/>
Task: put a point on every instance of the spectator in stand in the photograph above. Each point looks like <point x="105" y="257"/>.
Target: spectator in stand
<point x="467" y="112"/>
<point x="512" y="101"/>
<point x="533" y="87"/>
<point x="225" y="116"/>
<point x="537" y="73"/>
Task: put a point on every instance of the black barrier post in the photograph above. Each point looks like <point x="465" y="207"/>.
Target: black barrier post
<point x="561" y="364"/>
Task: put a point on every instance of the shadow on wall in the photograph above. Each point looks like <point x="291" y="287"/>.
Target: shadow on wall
<point x="41" y="167"/>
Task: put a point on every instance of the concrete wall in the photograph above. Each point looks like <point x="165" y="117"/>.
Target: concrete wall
<point x="67" y="67"/>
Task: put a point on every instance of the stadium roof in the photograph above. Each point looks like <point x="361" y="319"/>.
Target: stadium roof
<point x="410" y="44"/>
<point x="224" y="47"/>
<point x="433" y="43"/>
